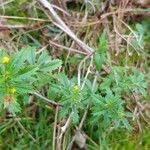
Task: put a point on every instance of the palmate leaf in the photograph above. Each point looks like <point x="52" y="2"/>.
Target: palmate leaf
<point x="50" y="66"/>
<point x="42" y="79"/>
<point x="25" y="88"/>
<point x="31" y="54"/>
<point x="63" y="80"/>
<point x="44" y="57"/>
<point x="106" y="83"/>
<point x="26" y="74"/>
<point x="18" y="60"/>
<point x="138" y="83"/>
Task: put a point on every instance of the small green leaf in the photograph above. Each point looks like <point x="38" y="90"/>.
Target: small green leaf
<point x="52" y="65"/>
<point x="44" y="57"/>
<point x="18" y="60"/>
<point x="31" y="54"/>
<point x="26" y="73"/>
<point x="99" y="59"/>
<point x="103" y="43"/>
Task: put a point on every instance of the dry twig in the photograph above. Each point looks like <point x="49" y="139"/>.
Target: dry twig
<point x="60" y="23"/>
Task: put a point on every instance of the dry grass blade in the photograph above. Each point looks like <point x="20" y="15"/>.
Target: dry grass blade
<point x="5" y="3"/>
<point x="46" y="99"/>
<point x="24" y="18"/>
<point x="3" y="27"/>
<point x="66" y="48"/>
<point x="59" y="23"/>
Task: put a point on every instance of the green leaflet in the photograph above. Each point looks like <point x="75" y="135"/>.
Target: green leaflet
<point x="100" y="55"/>
<point x="99" y="59"/>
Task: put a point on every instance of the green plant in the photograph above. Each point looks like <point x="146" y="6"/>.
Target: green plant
<point x="70" y="95"/>
<point x="100" y="93"/>
<point x="109" y="111"/>
<point x="108" y="105"/>
<point x="22" y="74"/>
<point x="124" y="80"/>
<point x="105" y="97"/>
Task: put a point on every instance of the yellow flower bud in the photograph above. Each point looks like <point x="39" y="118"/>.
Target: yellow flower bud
<point x="76" y="89"/>
<point x="12" y="90"/>
<point x="5" y="60"/>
